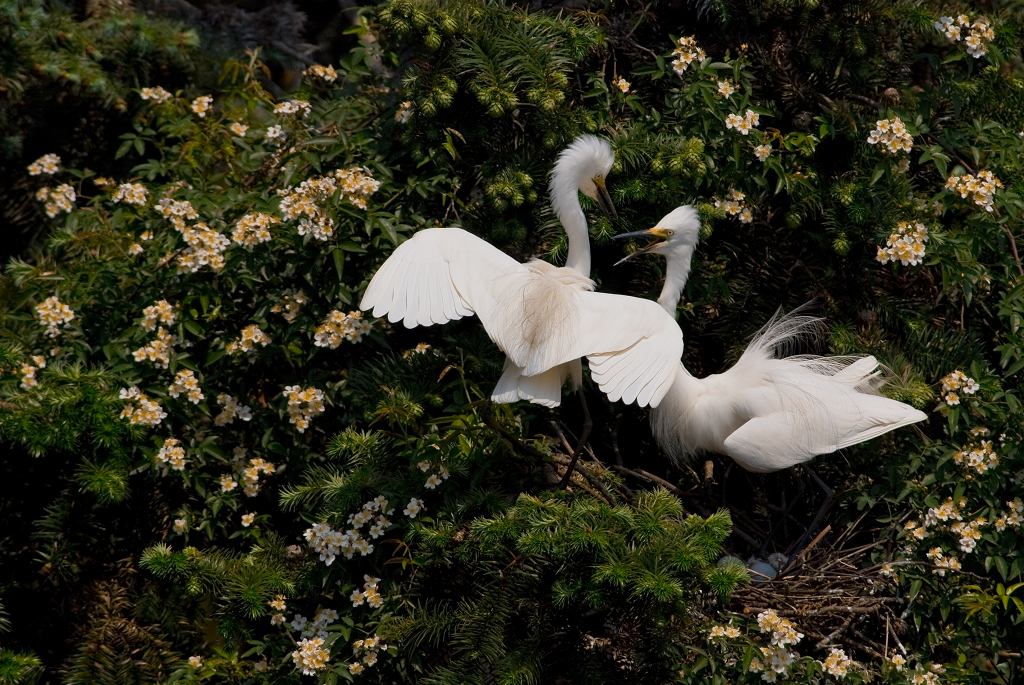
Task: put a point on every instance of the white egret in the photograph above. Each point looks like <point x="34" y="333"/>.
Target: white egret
<point x="765" y="412"/>
<point x="544" y="318"/>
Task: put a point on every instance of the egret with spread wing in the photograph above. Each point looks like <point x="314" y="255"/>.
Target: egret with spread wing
<point x="544" y="318"/>
<point x="767" y="413"/>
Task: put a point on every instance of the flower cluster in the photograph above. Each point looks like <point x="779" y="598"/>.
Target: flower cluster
<point x="892" y="135"/>
<point x="290" y="304"/>
<point x="979" y="33"/>
<point x="421" y="348"/>
<point x="621" y="83"/>
<point x="201" y="105"/>
<point x="289" y="107"/>
<point x="205" y="248"/>
<point x="324" y="73"/>
<point x="131" y="194"/>
<point x="159" y="312"/>
<point x="955" y="383"/>
<point x="837" y="663"/>
<point x="185" y="382"/>
<point x="28" y="371"/>
<point x="686" y="53"/>
<point x="157" y="350"/>
<point x="726" y="88"/>
<point x="231" y="410"/>
<point x="1014" y="516"/>
<point x="367" y="650"/>
<point x="980" y="188"/>
<point x="404" y="112"/>
<point x="356" y="185"/>
<point x="733" y="206"/>
<point x="141" y="411"/>
<point x="773" y="662"/>
<point x="775" y="659"/>
<point x="414" y="507"/>
<point x="338" y="327"/>
<point x="977" y="456"/>
<point x="178" y="211"/>
<point x="434" y="479"/>
<point x="57" y="200"/>
<point x="905" y="244"/>
<point x="329" y="543"/>
<point x="48" y="165"/>
<point x="745" y="123"/>
<point x="947" y="511"/>
<point x="916" y="530"/>
<point x="54" y="314"/>
<point x="969" y="532"/>
<point x="275" y="134"/>
<point x="763" y="152"/>
<point x="155" y="93"/>
<point x="253" y="229"/>
<point x="303" y="405"/>
<point x="278" y="603"/>
<point x="311" y="655"/>
<point x="256" y="467"/>
<point x="942" y="563"/>
<point x="172" y="453"/>
<point x="724" y="631"/>
<point x="251" y="336"/>
<point x="369" y="595"/>
<point x="304" y="201"/>
<point x="782" y="630"/>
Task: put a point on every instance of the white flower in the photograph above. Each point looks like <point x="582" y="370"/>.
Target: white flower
<point x="622" y="84"/>
<point x="48" y="165"/>
<point x="201" y="105"/>
<point x="413" y="508"/>
<point x="275" y="134"/>
<point x="762" y="152"/>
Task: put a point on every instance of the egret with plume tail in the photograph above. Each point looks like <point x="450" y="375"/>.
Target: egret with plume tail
<point x="767" y="413"/>
<point x="544" y="318"/>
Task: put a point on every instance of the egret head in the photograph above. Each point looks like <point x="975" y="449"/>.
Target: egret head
<point x="678" y="233"/>
<point x="582" y="167"/>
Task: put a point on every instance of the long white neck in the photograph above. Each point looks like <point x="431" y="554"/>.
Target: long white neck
<point x="565" y="200"/>
<point x="677" y="272"/>
<point x="575" y="224"/>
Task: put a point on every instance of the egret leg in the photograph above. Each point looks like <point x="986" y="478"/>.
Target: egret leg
<point x="819" y="516"/>
<point x="588" y="424"/>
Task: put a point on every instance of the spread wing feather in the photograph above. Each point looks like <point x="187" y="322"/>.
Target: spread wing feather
<point x="632" y="344"/>
<point x="443" y="274"/>
<point x="539" y="315"/>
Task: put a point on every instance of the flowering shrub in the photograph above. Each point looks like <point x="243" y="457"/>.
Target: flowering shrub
<point x="298" y="492"/>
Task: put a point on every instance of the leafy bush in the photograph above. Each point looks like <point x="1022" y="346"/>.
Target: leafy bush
<point x="191" y="391"/>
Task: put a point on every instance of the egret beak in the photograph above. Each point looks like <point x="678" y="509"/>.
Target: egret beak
<point x="655" y="232"/>
<point x="604" y="200"/>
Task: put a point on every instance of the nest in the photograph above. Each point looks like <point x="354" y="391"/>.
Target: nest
<point x="834" y="594"/>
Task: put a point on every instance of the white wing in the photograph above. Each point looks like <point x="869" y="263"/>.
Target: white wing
<point x="443" y="274"/>
<point x="541" y="316"/>
<point x="632" y="344"/>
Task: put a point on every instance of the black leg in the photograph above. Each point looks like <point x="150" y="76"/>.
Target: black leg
<point x="818" y="517"/>
<point x="588" y="424"/>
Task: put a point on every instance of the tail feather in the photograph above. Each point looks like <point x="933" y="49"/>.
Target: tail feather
<point x="544" y="388"/>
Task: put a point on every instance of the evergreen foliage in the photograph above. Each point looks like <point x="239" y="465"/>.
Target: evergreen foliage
<point x="232" y="476"/>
